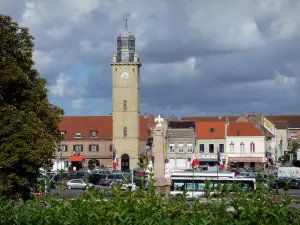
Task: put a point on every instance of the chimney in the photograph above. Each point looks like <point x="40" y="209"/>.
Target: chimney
<point x="227" y="120"/>
<point x="262" y="116"/>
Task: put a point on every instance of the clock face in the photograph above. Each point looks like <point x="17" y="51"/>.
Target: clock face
<point x="125" y="75"/>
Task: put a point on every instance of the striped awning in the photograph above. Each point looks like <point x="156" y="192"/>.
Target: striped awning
<point x="246" y="159"/>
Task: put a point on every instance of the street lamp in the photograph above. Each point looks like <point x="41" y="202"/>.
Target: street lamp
<point x="61" y="154"/>
<point x="58" y="159"/>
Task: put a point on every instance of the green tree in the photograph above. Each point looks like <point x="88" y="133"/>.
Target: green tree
<point x="295" y="146"/>
<point x="29" y="133"/>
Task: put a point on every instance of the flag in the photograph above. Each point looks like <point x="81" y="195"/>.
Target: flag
<point x="195" y="161"/>
<point x="220" y="161"/>
<point x="115" y="160"/>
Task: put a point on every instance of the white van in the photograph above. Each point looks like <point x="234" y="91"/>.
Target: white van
<point x="289" y="172"/>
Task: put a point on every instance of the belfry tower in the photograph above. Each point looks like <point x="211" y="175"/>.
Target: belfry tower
<point x="126" y="100"/>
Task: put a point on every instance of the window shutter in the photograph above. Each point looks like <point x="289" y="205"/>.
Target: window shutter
<point x="97" y="148"/>
<point x="90" y="147"/>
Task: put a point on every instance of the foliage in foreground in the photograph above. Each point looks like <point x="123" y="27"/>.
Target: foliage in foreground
<point x="28" y="126"/>
<point x="149" y="207"/>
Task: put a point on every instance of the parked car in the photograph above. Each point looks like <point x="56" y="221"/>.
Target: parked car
<point x="58" y="179"/>
<point x="79" y="184"/>
<point x="295" y="183"/>
<point x="108" y="178"/>
<point x="138" y="172"/>
<point x="280" y="183"/>
<point x="124" y="185"/>
<point x="95" y="178"/>
<point x="246" y="175"/>
<point x="136" y="179"/>
<point x="84" y="170"/>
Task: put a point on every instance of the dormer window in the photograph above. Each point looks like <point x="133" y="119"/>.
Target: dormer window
<point x="78" y="135"/>
<point x="212" y="130"/>
<point x="94" y="133"/>
<point x="63" y="134"/>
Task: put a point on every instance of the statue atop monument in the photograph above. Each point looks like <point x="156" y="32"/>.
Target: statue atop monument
<point x="159" y="120"/>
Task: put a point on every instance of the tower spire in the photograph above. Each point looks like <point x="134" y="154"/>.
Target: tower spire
<point x="126" y="20"/>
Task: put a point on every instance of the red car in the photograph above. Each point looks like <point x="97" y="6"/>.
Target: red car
<point x="138" y="173"/>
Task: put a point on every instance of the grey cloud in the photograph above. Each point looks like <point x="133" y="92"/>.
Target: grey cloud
<point x="233" y="62"/>
<point x="13" y="8"/>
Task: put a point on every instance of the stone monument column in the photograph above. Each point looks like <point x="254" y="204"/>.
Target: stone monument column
<point x="158" y="152"/>
<point x="162" y="181"/>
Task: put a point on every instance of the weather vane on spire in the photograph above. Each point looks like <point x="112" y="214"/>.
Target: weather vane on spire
<point x="126" y="19"/>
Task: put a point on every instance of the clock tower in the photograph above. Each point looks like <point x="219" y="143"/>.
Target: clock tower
<point x="126" y="101"/>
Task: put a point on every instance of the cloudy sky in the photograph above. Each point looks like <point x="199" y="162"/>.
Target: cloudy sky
<point x="200" y="57"/>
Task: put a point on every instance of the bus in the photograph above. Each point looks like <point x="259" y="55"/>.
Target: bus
<point x="205" y="174"/>
<point x="195" y="186"/>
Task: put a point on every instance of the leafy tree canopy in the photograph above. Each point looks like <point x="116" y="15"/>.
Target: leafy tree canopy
<point x="29" y="133"/>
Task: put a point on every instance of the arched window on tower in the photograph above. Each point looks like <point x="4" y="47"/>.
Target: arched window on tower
<point x="125" y="132"/>
<point x="125" y="105"/>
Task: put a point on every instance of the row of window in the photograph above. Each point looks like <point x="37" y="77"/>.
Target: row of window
<point x="211" y="148"/>
<point x="79" y="148"/>
<point x="242" y="147"/>
<point x="126" y="44"/>
<point x="181" y="148"/>
<point x="94" y="134"/>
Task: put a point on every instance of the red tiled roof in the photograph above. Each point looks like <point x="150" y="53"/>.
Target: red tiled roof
<point x="243" y="129"/>
<point x="86" y="124"/>
<point x="203" y="129"/>
<point x="280" y="124"/>
<point x="293" y="121"/>
<point x="211" y="118"/>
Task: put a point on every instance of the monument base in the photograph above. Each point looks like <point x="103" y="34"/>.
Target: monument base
<point x="163" y="185"/>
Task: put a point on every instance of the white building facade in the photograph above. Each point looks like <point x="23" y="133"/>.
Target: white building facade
<point x="245" y="151"/>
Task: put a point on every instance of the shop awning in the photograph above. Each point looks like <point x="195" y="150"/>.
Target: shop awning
<point x="246" y="159"/>
<point x="76" y="158"/>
